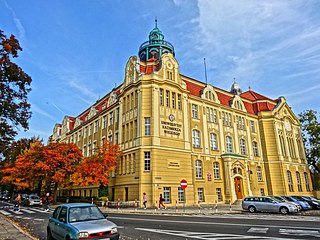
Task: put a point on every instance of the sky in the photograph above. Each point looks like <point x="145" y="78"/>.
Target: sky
<point x="76" y="50"/>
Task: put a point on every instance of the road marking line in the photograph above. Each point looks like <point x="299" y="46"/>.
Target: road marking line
<point x="5" y="212"/>
<point x="26" y="210"/>
<point x="299" y="232"/>
<point x="258" y="230"/>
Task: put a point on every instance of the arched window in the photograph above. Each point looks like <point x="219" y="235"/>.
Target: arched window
<point x="290" y="184"/>
<point x="198" y="169"/>
<point x="243" y="148"/>
<point x="299" y="181"/>
<point x="306" y="180"/>
<point x="229" y="144"/>
<point x="255" y="148"/>
<point x="259" y="174"/>
<point x="196" y="138"/>
<point x="216" y="170"/>
<point x="213" y="141"/>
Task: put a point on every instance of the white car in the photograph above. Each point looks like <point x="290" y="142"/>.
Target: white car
<point x="32" y="200"/>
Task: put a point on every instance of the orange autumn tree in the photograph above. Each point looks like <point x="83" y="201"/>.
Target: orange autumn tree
<point x="23" y="173"/>
<point x="96" y="168"/>
<point x="59" y="162"/>
<point x="47" y="167"/>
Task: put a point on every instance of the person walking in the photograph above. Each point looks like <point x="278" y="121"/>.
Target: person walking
<point x="47" y="202"/>
<point x="161" y="202"/>
<point x="145" y="200"/>
<point x="18" y="202"/>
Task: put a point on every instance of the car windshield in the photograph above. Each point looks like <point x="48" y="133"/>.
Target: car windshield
<point x="279" y="198"/>
<point x="299" y="198"/>
<point x="86" y="213"/>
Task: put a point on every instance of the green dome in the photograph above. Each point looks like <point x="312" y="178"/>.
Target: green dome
<point x="156" y="45"/>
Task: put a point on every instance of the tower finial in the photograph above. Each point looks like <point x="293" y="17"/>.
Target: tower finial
<point x="156" y="22"/>
<point x="234" y="79"/>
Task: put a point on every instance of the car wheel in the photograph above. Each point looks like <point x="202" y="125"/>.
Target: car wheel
<point x="49" y="235"/>
<point x="252" y="209"/>
<point x="284" y="210"/>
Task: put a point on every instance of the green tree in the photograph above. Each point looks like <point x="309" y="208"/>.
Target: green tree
<point x="310" y="127"/>
<point x="14" y="88"/>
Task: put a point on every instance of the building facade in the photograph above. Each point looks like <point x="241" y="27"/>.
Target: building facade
<point x="225" y="144"/>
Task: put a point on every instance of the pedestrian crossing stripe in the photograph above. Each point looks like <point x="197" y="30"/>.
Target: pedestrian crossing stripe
<point x="5" y="212"/>
<point x="258" y="230"/>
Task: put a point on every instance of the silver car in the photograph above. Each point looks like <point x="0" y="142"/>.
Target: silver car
<point x="32" y="200"/>
<point x="267" y="204"/>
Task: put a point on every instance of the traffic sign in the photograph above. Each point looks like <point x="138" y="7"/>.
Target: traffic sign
<point x="183" y="184"/>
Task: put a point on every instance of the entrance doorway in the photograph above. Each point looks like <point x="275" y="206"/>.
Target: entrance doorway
<point x="238" y="187"/>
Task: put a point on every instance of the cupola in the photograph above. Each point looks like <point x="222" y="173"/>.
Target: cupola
<point x="235" y="88"/>
<point x="156" y="45"/>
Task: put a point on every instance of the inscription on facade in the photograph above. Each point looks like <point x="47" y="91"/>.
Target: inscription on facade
<point x="173" y="164"/>
<point x="171" y="128"/>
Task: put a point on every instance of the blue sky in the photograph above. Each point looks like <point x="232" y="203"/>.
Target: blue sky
<point x="76" y="50"/>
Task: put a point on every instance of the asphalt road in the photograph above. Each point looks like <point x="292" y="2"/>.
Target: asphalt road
<point x="151" y="226"/>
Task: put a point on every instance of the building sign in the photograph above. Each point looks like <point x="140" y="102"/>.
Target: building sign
<point x="171" y="127"/>
<point x="173" y="164"/>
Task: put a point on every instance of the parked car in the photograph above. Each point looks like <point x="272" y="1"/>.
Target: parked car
<point x="80" y="221"/>
<point x="315" y="204"/>
<point x="32" y="200"/>
<point x="282" y="199"/>
<point x="305" y="206"/>
<point x="267" y="204"/>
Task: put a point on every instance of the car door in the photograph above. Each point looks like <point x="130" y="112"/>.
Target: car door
<point x="60" y="225"/>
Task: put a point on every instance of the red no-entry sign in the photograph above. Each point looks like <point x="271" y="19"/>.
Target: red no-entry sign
<point x="183" y="184"/>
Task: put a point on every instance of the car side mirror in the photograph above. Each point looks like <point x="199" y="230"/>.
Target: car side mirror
<point x="105" y="215"/>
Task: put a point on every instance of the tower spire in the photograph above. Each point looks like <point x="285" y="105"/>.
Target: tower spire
<point x="155" y="22"/>
<point x="205" y="70"/>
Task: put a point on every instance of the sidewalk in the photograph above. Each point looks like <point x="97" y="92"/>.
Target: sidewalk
<point x="194" y="210"/>
<point x="11" y="231"/>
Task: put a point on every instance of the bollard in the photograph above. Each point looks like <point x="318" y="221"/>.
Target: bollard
<point x="199" y="206"/>
<point x="107" y="204"/>
<point x="156" y="206"/>
<point x="230" y="205"/>
<point x="118" y="203"/>
<point x="135" y="205"/>
<point x="216" y="206"/>
<point x="176" y="206"/>
<point x="91" y="200"/>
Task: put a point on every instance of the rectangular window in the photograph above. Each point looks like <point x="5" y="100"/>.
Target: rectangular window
<point x="252" y="125"/>
<point x="229" y="144"/>
<point x="215" y="118"/>
<point x="147" y="161"/>
<point x="110" y="118"/>
<point x="96" y="126"/>
<point x="262" y="192"/>
<point x="179" y="101"/>
<point x="173" y="96"/>
<point x="216" y="170"/>
<point x="200" y="195"/>
<point x="132" y="101"/>
<point x="180" y="195"/>
<point x="167" y="98"/>
<point x="136" y="99"/>
<point x="213" y="141"/>
<point x="219" y="194"/>
<point x="147" y="126"/>
<point x="104" y="121"/>
<point x="161" y="97"/>
<point x="259" y="174"/>
<point x="167" y="194"/>
<point x="195" y="111"/>
<point x="84" y="151"/>
<point x="299" y="181"/>
<point x="196" y="138"/>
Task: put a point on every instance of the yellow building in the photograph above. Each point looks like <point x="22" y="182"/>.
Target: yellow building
<point x="225" y="144"/>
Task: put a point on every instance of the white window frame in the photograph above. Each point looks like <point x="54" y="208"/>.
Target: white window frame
<point x="216" y="170"/>
<point x="199" y="174"/>
<point x="259" y="174"/>
<point x="147" y="126"/>
<point x="213" y="141"/>
<point x="196" y="142"/>
<point x="147" y="161"/>
<point x="201" y="194"/>
<point x="194" y="111"/>
<point x="167" y="194"/>
<point x="229" y="146"/>
<point x="243" y="147"/>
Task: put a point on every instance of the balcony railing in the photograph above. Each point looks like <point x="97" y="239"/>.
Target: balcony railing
<point x="156" y="43"/>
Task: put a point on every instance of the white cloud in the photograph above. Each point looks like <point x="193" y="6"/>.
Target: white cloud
<point x="18" y="24"/>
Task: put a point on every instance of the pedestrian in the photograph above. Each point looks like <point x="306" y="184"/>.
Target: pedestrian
<point x="145" y="200"/>
<point x="18" y="202"/>
<point x="161" y="202"/>
<point x="47" y="202"/>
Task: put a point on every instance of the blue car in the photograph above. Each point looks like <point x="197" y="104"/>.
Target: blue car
<point x="80" y="221"/>
<point x="303" y="204"/>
